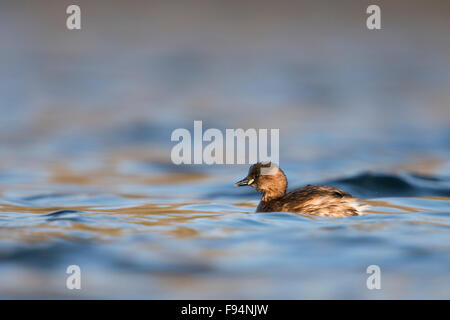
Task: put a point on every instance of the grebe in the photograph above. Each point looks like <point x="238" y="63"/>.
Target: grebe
<point x="319" y="200"/>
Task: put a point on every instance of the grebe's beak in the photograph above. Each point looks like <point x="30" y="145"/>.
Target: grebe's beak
<point x="244" y="182"/>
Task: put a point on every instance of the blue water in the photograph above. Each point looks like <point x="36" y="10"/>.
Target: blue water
<point x="85" y="171"/>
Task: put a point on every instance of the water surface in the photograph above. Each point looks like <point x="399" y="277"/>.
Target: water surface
<point x="86" y="177"/>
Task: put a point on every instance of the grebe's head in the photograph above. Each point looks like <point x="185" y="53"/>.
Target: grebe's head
<point x="267" y="178"/>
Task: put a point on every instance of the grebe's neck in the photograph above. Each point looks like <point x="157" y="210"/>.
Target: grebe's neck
<point x="275" y="190"/>
<point x="273" y="185"/>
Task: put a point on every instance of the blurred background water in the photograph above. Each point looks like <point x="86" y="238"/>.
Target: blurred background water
<point x="85" y="170"/>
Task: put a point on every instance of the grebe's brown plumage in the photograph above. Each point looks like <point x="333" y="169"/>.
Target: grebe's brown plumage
<point x="319" y="200"/>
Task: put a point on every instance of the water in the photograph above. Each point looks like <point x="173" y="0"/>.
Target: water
<point x="86" y="177"/>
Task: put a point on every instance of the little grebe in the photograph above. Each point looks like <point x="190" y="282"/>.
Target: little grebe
<point x="326" y="201"/>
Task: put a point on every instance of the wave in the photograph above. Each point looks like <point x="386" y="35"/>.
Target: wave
<point x="369" y="184"/>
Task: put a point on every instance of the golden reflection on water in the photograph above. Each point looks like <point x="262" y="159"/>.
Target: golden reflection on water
<point x="147" y="216"/>
<point x="386" y="204"/>
<point x="168" y="219"/>
<point x="107" y="173"/>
